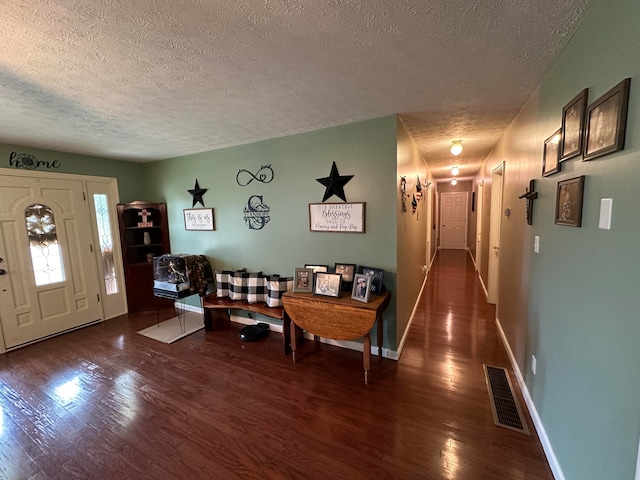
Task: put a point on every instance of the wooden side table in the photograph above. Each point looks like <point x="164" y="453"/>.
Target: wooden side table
<point x="336" y="318"/>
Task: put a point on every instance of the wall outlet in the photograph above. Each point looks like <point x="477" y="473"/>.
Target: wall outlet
<point x="533" y="364"/>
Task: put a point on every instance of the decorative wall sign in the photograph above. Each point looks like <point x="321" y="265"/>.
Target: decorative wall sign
<point x="337" y="217"/>
<point x="530" y="195"/>
<point x="198" y="219"/>
<point x="264" y="175"/>
<point x="418" y="189"/>
<point x="335" y="184"/>
<point x="197" y="194"/>
<point x="256" y="213"/>
<point x="403" y="194"/>
<point x="414" y="205"/>
<point x="29" y="162"/>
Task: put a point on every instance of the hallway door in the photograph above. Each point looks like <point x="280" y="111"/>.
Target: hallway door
<point x="479" y="212"/>
<point x="48" y="281"/>
<point x="453" y="216"/>
<point x="494" y="233"/>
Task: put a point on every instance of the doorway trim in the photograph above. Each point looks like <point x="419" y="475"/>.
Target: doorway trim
<point x="495" y="226"/>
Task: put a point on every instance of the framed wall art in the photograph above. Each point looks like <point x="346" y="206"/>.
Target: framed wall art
<point x="198" y="219"/>
<point x="573" y="120"/>
<point x="569" y="202"/>
<point x="551" y="155"/>
<point x="607" y="122"/>
<point x="337" y="217"/>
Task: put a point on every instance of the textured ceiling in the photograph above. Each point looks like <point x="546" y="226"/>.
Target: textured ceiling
<point x="145" y="80"/>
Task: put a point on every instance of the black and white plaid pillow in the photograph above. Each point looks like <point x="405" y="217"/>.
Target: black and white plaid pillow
<point x="223" y="283"/>
<point x="256" y="288"/>
<point x="276" y="286"/>
<point x="240" y="281"/>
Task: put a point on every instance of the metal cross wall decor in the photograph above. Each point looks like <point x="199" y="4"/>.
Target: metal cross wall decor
<point x="530" y="195"/>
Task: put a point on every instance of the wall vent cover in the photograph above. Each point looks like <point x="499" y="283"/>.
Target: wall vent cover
<point x="506" y="410"/>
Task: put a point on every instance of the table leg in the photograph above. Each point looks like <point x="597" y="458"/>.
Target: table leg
<point x="380" y="334"/>
<point x="294" y="340"/>
<point x="366" y="358"/>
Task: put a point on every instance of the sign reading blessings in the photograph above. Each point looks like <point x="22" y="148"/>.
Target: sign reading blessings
<point x="336" y="217"/>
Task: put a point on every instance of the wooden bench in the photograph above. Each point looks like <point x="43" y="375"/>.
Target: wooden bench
<point x="216" y="314"/>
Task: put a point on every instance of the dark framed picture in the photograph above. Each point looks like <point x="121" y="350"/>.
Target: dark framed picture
<point x="303" y="280"/>
<point x="573" y="123"/>
<point x="317" y="268"/>
<point x="347" y="270"/>
<point x="327" y="284"/>
<point x="551" y="155"/>
<point x="569" y="202"/>
<point x="377" y="274"/>
<point x="361" y="287"/>
<point x="607" y="122"/>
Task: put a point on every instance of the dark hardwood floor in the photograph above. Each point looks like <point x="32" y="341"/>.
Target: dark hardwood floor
<point x="106" y="403"/>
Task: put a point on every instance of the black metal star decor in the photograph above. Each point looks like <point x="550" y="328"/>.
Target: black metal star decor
<point x="197" y="194"/>
<point x="335" y="184"/>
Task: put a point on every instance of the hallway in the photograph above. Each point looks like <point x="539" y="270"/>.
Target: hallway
<point x="104" y="403"/>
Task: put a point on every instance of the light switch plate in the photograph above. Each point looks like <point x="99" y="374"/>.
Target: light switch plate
<point x="606" y="206"/>
<point x="536" y="244"/>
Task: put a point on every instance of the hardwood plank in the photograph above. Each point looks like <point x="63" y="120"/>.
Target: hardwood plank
<point x="212" y="406"/>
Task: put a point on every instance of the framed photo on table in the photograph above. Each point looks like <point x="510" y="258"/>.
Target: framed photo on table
<point x="361" y="287"/>
<point x="607" y="122"/>
<point x="303" y="280"/>
<point x="377" y="274"/>
<point x="347" y="270"/>
<point x="327" y="284"/>
<point x="573" y="126"/>
<point x="317" y="268"/>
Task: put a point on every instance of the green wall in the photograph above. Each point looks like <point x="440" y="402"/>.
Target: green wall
<point x="366" y="150"/>
<point x="131" y="176"/>
<point x="581" y="316"/>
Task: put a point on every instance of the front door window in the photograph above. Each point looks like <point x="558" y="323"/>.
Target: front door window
<point x="46" y="256"/>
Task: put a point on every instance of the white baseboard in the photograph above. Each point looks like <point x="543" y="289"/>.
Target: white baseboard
<point x="277" y="327"/>
<point x="413" y="312"/>
<point x="537" y="422"/>
<point x="484" y="287"/>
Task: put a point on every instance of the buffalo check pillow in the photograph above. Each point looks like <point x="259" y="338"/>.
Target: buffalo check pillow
<point x="223" y="278"/>
<point x="276" y="286"/>
<point x="240" y="281"/>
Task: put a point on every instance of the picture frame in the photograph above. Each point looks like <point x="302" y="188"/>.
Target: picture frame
<point x="198" y="219"/>
<point x="327" y="284"/>
<point x="377" y="274"/>
<point x="607" y="122"/>
<point x="569" y="202"/>
<point x="573" y="126"/>
<point x="337" y="217"/>
<point x="317" y="268"/>
<point x="303" y="280"/>
<point x="551" y="155"/>
<point x="361" y="289"/>
<point x="347" y="270"/>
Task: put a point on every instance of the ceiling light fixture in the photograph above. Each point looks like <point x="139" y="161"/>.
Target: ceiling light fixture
<point x="454" y="182"/>
<point x="456" y="147"/>
<point x="455" y="171"/>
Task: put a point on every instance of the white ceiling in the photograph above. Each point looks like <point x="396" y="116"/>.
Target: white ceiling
<point x="144" y="80"/>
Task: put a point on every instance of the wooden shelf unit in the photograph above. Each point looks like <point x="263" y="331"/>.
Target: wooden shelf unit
<point x="138" y="271"/>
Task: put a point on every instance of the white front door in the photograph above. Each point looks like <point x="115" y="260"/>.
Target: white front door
<point x="49" y="281"/>
<point x="453" y="216"/>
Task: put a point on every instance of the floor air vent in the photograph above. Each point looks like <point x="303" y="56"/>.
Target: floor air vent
<point x="506" y="410"/>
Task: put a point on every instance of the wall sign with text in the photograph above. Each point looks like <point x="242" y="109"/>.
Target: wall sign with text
<point x="337" y="217"/>
<point x="198" y="219"/>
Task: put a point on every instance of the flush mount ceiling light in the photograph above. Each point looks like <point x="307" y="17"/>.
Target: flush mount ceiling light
<point x="455" y="171"/>
<point x="456" y="147"/>
<point x="454" y="182"/>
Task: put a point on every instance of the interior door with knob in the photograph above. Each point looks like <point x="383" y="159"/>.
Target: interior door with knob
<point x="453" y="217"/>
<point x="495" y="221"/>
<point x="48" y="272"/>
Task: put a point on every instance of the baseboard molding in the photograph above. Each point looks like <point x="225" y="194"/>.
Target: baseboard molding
<point x="413" y="312"/>
<point x="473" y="259"/>
<point x="277" y="327"/>
<point x="537" y="422"/>
<point x="484" y="287"/>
